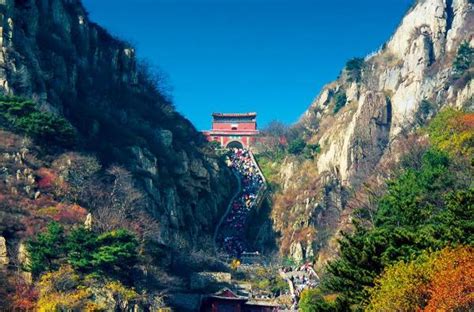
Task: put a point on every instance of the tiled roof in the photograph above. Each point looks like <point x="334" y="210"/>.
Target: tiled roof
<point x="252" y="114"/>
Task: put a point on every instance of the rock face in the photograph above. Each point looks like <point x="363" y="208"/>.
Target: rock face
<point x="386" y="99"/>
<point x="205" y="280"/>
<point x="3" y="252"/>
<point x="52" y="53"/>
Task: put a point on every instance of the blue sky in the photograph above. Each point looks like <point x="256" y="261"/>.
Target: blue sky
<point x="268" y="56"/>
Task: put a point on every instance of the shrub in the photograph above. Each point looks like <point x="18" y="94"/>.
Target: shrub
<point x="44" y="127"/>
<point x="121" y="293"/>
<point x="116" y="252"/>
<point x="46" y="250"/>
<point x="58" y="291"/>
<point x="311" y="150"/>
<point x="440" y="281"/>
<point x="423" y="208"/>
<point x="47" y="128"/>
<point x="451" y="288"/>
<point x="24" y="296"/>
<point x="453" y="131"/>
<point x="296" y="146"/>
<point x="340" y="100"/>
<point x="354" y="69"/>
<point x="464" y="59"/>
<point x="312" y="300"/>
<point x="47" y="177"/>
<point x="113" y="253"/>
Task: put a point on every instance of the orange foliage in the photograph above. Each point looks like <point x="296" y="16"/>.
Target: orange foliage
<point x="70" y="214"/>
<point x="47" y="178"/>
<point x="25" y="296"/>
<point x="467" y="121"/>
<point x="452" y="288"/>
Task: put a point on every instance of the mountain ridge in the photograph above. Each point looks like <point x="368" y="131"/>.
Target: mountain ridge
<point x="382" y="99"/>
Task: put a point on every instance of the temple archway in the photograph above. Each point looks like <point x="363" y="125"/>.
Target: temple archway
<point x="235" y="144"/>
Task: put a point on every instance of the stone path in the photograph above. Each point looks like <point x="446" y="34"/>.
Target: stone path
<point x="229" y="236"/>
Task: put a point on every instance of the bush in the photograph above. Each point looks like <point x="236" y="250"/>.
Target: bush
<point x="453" y="131"/>
<point x="46" y="251"/>
<point x="340" y="100"/>
<point x="439" y="281"/>
<point x="311" y="150"/>
<point x="423" y="208"/>
<point x="313" y="301"/>
<point x="296" y="146"/>
<point x="46" y="128"/>
<point x="116" y="253"/>
<point x="354" y="69"/>
<point x="113" y="253"/>
<point x="464" y="59"/>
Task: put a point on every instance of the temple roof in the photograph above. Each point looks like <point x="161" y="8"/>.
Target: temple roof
<point x="251" y="114"/>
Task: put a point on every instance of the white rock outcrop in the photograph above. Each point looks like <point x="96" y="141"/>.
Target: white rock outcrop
<point x="413" y="66"/>
<point x="4" y="261"/>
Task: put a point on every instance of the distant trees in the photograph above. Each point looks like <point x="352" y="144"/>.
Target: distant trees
<point x="296" y="146"/>
<point x="312" y="300"/>
<point x="427" y="206"/>
<point x="340" y="100"/>
<point x="46" y="251"/>
<point x="452" y="130"/>
<point x="464" y="59"/>
<point x="112" y="253"/>
<point x="46" y="128"/>
<point x="274" y="136"/>
<point x="439" y="281"/>
<point x="354" y="69"/>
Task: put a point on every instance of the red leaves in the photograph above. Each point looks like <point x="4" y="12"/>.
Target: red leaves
<point x="47" y="178"/>
<point x="70" y="214"/>
<point x="24" y="297"/>
<point x="453" y="287"/>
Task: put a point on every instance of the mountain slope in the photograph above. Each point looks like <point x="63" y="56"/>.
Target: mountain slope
<point x="362" y="120"/>
<point x="52" y="53"/>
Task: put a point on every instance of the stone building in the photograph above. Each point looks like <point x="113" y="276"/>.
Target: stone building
<point x="233" y="129"/>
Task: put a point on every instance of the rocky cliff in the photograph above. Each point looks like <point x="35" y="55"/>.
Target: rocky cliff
<point x="361" y="119"/>
<point x="52" y="53"/>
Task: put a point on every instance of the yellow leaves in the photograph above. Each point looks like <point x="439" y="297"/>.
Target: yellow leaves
<point x="63" y="301"/>
<point x="235" y="264"/>
<point x="452" y="287"/>
<point x="48" y="211"/>
<point x="119" y="289"/>
<point x="63" y="279"/>
<point x="440" y="281"/>
<point x="59" y="290"/>
<point x="65" y="290"/>
<point x="94" y="307"/>
<point x="453" y="131"/>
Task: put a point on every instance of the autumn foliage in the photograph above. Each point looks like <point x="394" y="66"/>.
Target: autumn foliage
<point x="453" y="131"/>
<point x="440" y="281"/>
<point x="452" y="287"/>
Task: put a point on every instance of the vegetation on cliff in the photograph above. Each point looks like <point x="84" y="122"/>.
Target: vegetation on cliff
<point x="93" y="135"/>
<point x="427" y="206"/>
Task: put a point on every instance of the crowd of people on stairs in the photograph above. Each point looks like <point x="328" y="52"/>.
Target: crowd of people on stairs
<point x="232" y="234"/>
<point x="301" y="278"/>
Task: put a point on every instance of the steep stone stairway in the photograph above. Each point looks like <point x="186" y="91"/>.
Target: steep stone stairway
<point x="229" y="236"/>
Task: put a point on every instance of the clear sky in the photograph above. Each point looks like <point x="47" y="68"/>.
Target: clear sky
<point x="268" y="56"/>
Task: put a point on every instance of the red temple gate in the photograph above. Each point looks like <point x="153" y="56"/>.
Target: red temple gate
<point x="233" y="130"/>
